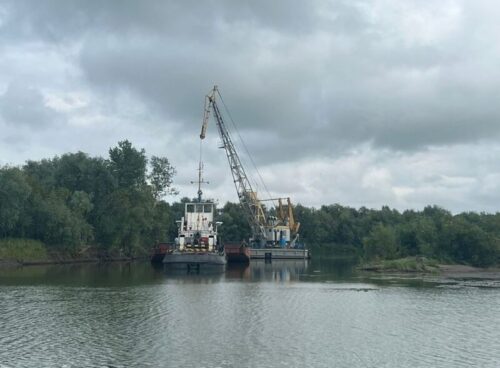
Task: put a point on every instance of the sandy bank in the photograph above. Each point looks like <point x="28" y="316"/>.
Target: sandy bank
<point x="463" y="271"/>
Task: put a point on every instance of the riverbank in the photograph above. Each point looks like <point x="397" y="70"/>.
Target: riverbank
<point x="26" y="252"/>
<point x="408" y="264"/>
<point x="21" y="263"/>
<point x="15" y="250"/>
<point x="463" y="271"/>
<point x="429" y="266"/>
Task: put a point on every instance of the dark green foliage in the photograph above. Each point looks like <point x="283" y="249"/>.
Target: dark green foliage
<point x="128" y="165"/>
<point x="161" y="176"/>
<point x="115" y="204"/>
<point x="55" y="223"/>
<point x="468" y="243"/>
<point x="468" y="238"/>
<point x="380" y="243"/>
<point x="14" y="194"/>
<point x="161" y="220"/>
<point x="73" y="201"/>
<point x="234" y="228"/>
<point x="388" y="234"/>
<point x="126" y="220"/>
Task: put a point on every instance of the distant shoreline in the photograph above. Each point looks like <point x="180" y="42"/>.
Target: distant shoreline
<point x="9" y="263"/>
<point x="421" y="265"/>
<point x="463" y="271"/>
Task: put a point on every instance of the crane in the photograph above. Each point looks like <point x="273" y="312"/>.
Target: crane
<point x="265" y="229"/>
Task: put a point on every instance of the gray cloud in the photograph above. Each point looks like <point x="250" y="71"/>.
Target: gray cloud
<point x="349" y="77"/>
<point x="306" y="82"/>
<point x="22" y="105"/>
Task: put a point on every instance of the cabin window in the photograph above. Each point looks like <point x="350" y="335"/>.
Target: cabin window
<point x="207" y="208"/>
<point x="199" y="208"/>
<point x="190" y="208"/>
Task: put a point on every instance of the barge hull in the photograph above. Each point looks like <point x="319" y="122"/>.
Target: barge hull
<point x="279" y="253"/>
<point x="194" y="259"/>
<point x="237" y="254"/>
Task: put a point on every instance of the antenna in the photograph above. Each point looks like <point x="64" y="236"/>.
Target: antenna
<point x="200" y="177"/>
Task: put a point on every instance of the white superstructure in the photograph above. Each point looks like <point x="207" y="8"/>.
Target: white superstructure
<point x="197" y="228"/>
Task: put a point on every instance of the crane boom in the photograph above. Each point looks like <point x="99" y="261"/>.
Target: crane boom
<point x="247" y="196"/>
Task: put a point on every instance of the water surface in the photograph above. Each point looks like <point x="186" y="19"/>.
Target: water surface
<point x="284" y="314"/>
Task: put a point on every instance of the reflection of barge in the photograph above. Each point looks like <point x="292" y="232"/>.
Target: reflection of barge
<point x="280" y="270"/>
<point x="261" y="270"/>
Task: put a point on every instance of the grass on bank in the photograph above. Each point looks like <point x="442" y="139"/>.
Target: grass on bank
<point x="408" y="264"/>
<point x="29" y="250"/>
<point x="22" y="250"/>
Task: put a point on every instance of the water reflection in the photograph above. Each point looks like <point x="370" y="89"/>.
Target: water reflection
<point x="321" y="269"/>
<point x="83" y="274"/>
<point x="318" y="270"/>
<point x="275" y="270"/>
<point x="256" y="271"/>
<point x="320" y="313"/>
<point x="204" y="275"/>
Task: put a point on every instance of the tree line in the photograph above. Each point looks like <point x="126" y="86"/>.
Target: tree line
<point x="469" y="237"/>
<point x="75" y="200"/>
<point x="466" y="238"/>
<point x="119" y="203"/>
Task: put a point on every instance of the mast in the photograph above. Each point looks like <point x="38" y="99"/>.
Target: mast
<point x="249" y="201"/>
<point x="200" y="177"/>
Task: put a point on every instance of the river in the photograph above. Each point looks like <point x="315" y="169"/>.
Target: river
<point x="284" y="314"/>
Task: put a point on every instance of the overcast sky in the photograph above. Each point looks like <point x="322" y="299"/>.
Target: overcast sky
<point x="357" y="102"/>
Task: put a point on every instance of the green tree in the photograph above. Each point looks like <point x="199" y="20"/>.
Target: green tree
<point x="380" y="243"/>
<point x="234" y="227"/>
<point x="128" y="165"/>
<point x="125" y="221"/>
<point x="80" y="203"/>
<point x="41" y="173"/>
<point x="56" y="224"/>
<point x="308" y="223"/>
<point x="161" y="177"/>
<point x="465" y="242"/>
<point x="14" y="193"/>
<point x="161" y="222"/>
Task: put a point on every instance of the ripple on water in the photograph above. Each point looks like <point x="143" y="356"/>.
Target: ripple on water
<point x="214" y="322"/>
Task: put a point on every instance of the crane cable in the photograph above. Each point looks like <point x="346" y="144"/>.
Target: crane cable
<point x="245" y="147"/>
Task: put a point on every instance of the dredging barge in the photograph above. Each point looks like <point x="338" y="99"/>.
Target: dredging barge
<point x="197" y="243"/>
<point x="274" y="236"/>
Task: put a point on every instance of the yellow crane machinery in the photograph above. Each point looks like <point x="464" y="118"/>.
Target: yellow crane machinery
<point x="289" y="217"/>
<point x="280" y="230"/>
